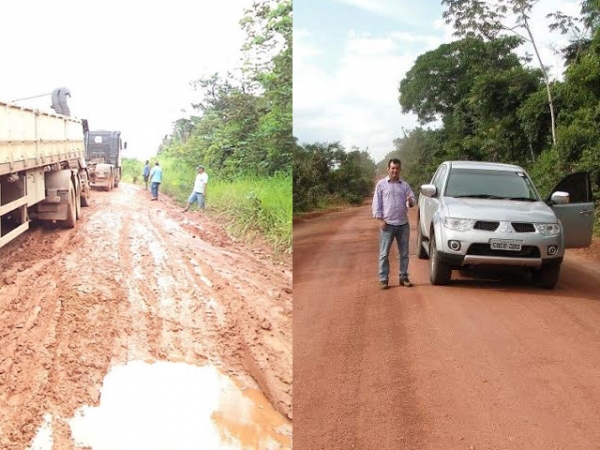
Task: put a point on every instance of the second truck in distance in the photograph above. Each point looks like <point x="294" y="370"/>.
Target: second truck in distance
<point x="103" y="157"/>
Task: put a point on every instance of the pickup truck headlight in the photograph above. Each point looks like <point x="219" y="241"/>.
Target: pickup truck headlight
<point x="459" y="224"/>
<point x="547" y="229"/>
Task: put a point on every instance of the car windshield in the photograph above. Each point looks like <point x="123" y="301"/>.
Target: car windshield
<point x="478" y="183"/>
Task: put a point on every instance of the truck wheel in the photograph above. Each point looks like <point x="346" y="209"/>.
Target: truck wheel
<point x="439" y="273"/>
<point x="71" y="219"/>
<point x="85" y="191"/>
<point x="546" y="277"/>
<point x="421" y="252"/>
<point x="77" y="202"/>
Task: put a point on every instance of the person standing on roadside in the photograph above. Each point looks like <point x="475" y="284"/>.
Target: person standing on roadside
<point x="391" y="201"/>
<point x="155" y="179"/>
<point x="146" y="173"/>
<point x="199" y="192"/>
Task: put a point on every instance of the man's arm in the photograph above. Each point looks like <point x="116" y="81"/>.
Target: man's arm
<point x="378" y="206"/>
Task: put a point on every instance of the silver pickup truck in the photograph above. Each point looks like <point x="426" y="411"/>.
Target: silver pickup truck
<point x="491" y="214"/>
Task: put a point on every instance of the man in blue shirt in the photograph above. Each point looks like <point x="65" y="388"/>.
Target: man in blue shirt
<point x="155" y="179"/>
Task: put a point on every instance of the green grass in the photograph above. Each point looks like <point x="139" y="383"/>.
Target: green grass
<point x="252" y="208"/>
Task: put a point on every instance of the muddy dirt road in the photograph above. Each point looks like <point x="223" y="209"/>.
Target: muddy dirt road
<point x="479" y="364"/>
<point x="136" y="289"/>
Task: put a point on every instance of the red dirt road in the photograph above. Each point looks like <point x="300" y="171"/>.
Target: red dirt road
<point x="479" y="364"/>
<point x="136" y="280"/>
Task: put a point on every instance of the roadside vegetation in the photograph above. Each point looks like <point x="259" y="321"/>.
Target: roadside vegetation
<point x="241" y="132"/>
<point x="476" y="99"/>
<point x="326" y="175"/>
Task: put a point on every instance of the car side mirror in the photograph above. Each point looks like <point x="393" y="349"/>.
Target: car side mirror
<point x="559" y="198"/>
<point x="428" y="190"/>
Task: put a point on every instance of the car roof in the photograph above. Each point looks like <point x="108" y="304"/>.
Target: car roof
<point x="483" y="165"/>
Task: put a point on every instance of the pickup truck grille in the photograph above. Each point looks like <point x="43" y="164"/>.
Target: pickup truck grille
<point x="527" y="251"/>
<point x="521" y="227"/>
<point x="486" y="226"/>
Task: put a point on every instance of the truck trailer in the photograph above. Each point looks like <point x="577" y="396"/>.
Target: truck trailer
<point x="43" y="170"/>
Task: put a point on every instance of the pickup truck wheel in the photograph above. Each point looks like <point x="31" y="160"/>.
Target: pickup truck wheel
<point x="439" y="273"/>
<point x="546" y="277"/>
<point x="421" y="252"/>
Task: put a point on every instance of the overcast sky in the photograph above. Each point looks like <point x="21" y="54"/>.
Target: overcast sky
<point x="128" y="64"/>
<point x="350" y="56"/>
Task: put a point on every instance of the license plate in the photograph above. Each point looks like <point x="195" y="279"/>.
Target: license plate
<point x="505" y="244"/>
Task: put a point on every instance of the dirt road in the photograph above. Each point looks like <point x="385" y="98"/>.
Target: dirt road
<point x="139" y="281"/>
<point x="479" y="364"/>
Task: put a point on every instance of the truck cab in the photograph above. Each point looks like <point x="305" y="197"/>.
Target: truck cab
<point x="104" y="157"/>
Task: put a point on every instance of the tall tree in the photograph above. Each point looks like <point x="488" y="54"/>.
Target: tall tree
<point x="487" y="20"/>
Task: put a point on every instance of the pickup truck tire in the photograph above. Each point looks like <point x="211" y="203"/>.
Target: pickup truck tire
<point x="546" y="277"/>
<point x="421" y="252"/>
<point x="439" y="273"/>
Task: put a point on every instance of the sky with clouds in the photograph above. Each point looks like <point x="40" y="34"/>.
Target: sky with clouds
<point x="128" y="64"/>
<point x="350" y="56"/>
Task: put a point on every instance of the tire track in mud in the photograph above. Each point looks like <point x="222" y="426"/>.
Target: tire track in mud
<point x="166" y="296"/>
<point x="236" y="291"/>
<point x="140" y="339"/>
<point x="86" y="329"/>
<point x="29" y="306"/>
<point x="199" y="319"/>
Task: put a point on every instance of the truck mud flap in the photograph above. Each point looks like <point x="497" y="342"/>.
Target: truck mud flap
<point x="55" y="205"/>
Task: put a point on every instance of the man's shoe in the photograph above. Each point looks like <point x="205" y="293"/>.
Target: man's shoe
<point x="405" y="282"/>
<point x="383" y="284"/>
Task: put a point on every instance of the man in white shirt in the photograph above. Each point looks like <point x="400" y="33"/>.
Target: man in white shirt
<point x="199" y="192"/>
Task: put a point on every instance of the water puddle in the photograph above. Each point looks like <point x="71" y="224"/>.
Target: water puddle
<point x="175" y="406"/>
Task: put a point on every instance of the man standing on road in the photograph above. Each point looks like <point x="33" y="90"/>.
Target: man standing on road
<point x="155" y="179"/>
<point x="199" y="192"/>
<point x="391" y="201"/>
<point x="146" y="173"/>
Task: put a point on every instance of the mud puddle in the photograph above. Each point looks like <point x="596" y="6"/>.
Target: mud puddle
<point x="177" y="406"/>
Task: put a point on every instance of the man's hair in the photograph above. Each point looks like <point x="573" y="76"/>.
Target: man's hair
<point x="147" y="162"/>
<point x="156" y="163"/>
<point x="395" y="161"/>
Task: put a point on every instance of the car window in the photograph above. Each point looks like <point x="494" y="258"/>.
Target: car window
<point x="439" y="181"/>
<point x="490" y="184"/>
<point x="578" y="185"/>
<point x="435" y="176"/>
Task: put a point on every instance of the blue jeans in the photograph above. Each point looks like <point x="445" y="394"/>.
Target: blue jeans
<point x="386" y="237"/>
<point x="154" y="188"/>
<point x="197" y="197"/>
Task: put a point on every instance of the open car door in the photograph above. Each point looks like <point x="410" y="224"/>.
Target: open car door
<point x="577" y="216"/>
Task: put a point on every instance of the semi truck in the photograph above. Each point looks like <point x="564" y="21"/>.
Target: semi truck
<point x="43" y="171"/>
<point x="103" y="158"/>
